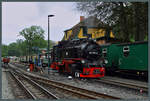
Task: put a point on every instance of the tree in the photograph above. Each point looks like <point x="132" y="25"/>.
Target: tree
<point x="129" y="20"/>
<point x="13" y="49"/>
<point x="141" y="20"/>
<point x="33" y="35"/>
<point x="4" y="50"/>
<point x="22" y="47"/>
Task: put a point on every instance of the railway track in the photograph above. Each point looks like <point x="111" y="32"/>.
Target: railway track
<point x="72" y="90"/>
<point x="82" y="93"/>
<point x="32" y="89"/>
<point x="124" y="84"/>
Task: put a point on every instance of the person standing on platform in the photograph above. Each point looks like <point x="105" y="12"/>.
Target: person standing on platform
<point x="31" y="65"/>
<point x="40" y="66"/>
<point x="35" y="64"/>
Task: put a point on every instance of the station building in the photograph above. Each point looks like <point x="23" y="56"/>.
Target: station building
<point x="90" y="27"/>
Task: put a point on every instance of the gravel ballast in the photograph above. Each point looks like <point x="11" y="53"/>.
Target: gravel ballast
<point x="123" y="93"/>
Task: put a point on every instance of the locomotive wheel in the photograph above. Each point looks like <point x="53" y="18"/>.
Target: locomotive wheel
<point x="72" y="69"/>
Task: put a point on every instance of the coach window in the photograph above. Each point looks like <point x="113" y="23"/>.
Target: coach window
<point x="104" y="51"/>
<point x="126" y="51"/>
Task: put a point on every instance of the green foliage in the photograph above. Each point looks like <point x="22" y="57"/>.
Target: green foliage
<point x="33" y="32"/>
<point x="146" y="38"/>
<point x="129" y="20"/>
<point x="34" y="37"/>
<point x="13" y="49"/>
<point x="20" y="47"/>
<point x="4" y="50"/>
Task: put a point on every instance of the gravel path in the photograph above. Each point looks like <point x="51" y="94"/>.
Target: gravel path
<point x="6" y="89"/>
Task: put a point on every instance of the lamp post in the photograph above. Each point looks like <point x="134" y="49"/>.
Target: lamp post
<point x="48" y="44"/>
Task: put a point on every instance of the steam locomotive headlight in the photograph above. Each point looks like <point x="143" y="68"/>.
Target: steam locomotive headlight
<point x="83" y="61"/>
<point x="105" y="61"/>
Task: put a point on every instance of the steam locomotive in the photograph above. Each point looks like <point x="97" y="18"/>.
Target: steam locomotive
<point x="78" y="57"/>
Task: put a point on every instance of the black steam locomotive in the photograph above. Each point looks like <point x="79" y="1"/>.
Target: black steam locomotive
<point x="80" y="58"/>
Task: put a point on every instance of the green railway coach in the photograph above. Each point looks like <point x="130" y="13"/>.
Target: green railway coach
<point x="129" y="58"/>
<point x="111" y="56"/>
<point x="133" y="57"/>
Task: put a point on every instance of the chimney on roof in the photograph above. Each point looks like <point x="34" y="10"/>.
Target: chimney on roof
<point x="81" y="18"/>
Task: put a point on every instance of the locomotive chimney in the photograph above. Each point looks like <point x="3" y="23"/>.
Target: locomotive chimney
<point x="81" y="18"/>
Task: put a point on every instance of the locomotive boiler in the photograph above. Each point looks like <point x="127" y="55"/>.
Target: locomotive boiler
<point x="79" y="58"/>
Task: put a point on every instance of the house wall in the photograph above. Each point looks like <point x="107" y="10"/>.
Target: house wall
<point x="101" y="42"/>
<point x="68" y="34"/>
<point x="90" y="32"/>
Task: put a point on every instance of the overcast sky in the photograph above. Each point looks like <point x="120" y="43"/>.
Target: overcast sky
<point x="19" y="15"/>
